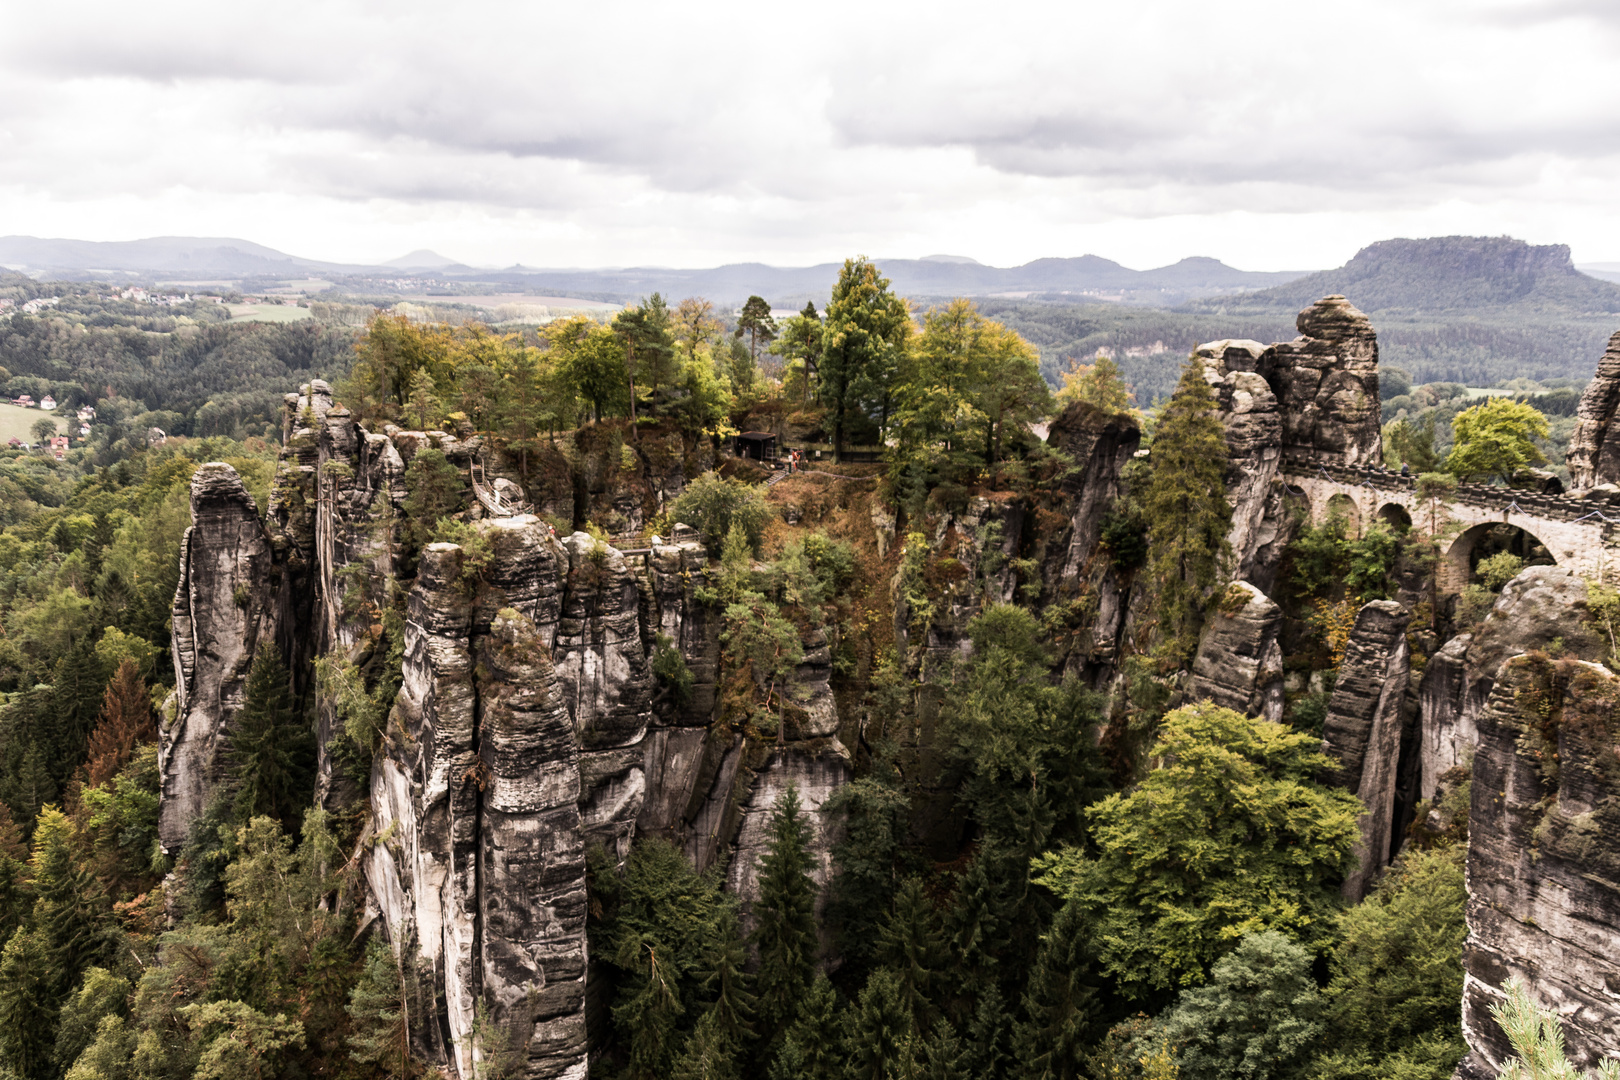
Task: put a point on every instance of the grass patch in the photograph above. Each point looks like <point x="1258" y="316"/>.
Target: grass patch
<point x="267" y="313"/>
<point x="19" y="423"/>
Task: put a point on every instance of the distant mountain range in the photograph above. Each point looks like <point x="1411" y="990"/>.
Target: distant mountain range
<point x="1445" y="276"/>
<point x="1087" y="276"/>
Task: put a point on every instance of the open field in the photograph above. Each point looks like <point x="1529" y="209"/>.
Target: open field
<point x="267" y="313"/>
<point x="494" y="300"/>
<point x="19" y="423"/>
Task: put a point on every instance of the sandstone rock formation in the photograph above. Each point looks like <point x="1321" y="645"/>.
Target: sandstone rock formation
<point x="1326" y="382"/>
<point x="1072" y="567"/>
<point x="1541" y="605"/>
<point x="1254" y="438"/>
<point x="1362" y="731"/>
<point x="1594" y="448"/>
<point x="1544" y="858"/>
<point x="225" y="611"/>
<point x="1239" y="661"/>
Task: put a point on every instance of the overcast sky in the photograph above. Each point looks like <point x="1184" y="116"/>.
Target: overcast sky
<point x="1270" y="135"/>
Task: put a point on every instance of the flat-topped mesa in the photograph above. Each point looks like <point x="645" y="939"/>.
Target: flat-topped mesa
<point x="224" y="611"/>
<point x="1594" y="448"/>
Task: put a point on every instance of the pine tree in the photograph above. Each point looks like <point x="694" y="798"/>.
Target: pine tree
<point x="812" y="1046"/>
<point x="1186" y="510"/>
<point x="724" y="979"/>
<point x="268" y="749"/>
<point x="943" y="1055"/>
<point x="989" y="1038"/>
<point x="1059" y="1002"/>
<point x="876" y="1027"/>
<point x="709" y="1053"/>
<point x="755" y="321"/>
<point x="786" y="937"/>
<point x="28" y="1005"/>
<point x="910" y="946"/>
<point x="381" y="1032"/>
<point x="71" y="909"/>
<point x="126" y="722"/>
<point x="423" y="404"/>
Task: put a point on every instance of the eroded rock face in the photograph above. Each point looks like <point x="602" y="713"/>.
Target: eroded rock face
<point x="1254" y="441"/>
<point x="1072" y="567"/>
<point x="1362" y="731"/>
<point x="1544" y="858"/>
<point x="225" y="611"/>
<point x="1239" y="661"/>
<point x="1594" y="447"/>
<point x="1326" y="382"/>
<point x="480" y="864"/>
<point x="1542" y="605"/>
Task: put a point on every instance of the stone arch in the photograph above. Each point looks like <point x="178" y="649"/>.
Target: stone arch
<point x="1395" y="516"/>
<point x="1483" y="540"/>
<point x="1343" y="506"/>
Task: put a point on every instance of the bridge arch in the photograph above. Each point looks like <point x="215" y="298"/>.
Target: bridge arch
<point x="1344" y="507"/>
<point x="1484" y="540"/>
<point x="1395" y="516"/>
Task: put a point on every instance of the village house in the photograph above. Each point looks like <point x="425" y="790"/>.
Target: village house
<point x="47" y="403"/>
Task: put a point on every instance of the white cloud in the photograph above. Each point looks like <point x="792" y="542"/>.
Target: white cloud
<point x="1270" y="134"/>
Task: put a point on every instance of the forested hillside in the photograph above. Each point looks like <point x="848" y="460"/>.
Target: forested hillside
<point x="494" y="718"/>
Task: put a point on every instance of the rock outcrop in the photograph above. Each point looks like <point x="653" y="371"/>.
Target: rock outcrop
<point x="1362" y="731"/>
<point x="1326" y="382"/>
<point x="1239" y="661"/>
<point x="1542" y="605"/>
<point x="1594" y="447"/>
<point x="1254" y="446"/>
<point x="225" y="611"/>
<point x="1073" y="568"/>
<point x="1544" y="858"/>
<point x="478" y="865"/>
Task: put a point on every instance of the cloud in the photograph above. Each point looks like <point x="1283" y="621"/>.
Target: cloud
<point x="762" y="131"/>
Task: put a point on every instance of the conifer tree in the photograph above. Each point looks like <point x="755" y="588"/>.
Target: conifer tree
<point x="910" y="947"/>
<point x="876" y="1026"/>
<point x="422" y="407"/>
<point x="28" y="1000"/>
<point x="1186" y="510"/>
<point x="989" y="1038"/>
<point x="812" y="1046"/>
<point x="378" y="1010"/>
<point x="724" y="979"/>
<point x="755" y="320"/>
<point x="70" y="909"/>
<point x="126" y="722"/>
<point x="709" y="1053"/>
<point x="786" y="936"/>
<point x="1059" y="1002"/>
<point x="269" y="746"/>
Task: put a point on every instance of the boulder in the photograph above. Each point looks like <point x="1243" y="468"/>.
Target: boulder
<point x="1594" y="446"/>
<point x="1362" y="731"/>
<point x="1544" y="858"/>
<point x="1326" y="382"/>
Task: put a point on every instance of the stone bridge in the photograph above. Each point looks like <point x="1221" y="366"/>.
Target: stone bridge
<point x="1580" y="534"/>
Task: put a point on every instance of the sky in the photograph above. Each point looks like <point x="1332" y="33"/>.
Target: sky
<point x="1271" y="135"/>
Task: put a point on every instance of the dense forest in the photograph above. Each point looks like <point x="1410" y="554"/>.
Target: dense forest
<point x="1143" y="887"/>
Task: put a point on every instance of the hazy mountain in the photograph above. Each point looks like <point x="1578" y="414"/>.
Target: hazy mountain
<point x="195" y="256"/>
<point x="423" y="259"/>
<point x="1446" y="275"/>
<point x="935" y="276"/>
<point x="932" y="276"/>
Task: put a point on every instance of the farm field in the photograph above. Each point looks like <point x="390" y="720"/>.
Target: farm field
<point x="267" y="313"/>
<point x="18" y="423"/>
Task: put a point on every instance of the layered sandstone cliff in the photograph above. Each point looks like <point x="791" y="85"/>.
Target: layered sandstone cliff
<point x="1594" y="447"/>
<point x="1544" y="858"/>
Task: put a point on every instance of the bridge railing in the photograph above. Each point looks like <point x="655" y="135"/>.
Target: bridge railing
<point x="1529" y="503"/>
